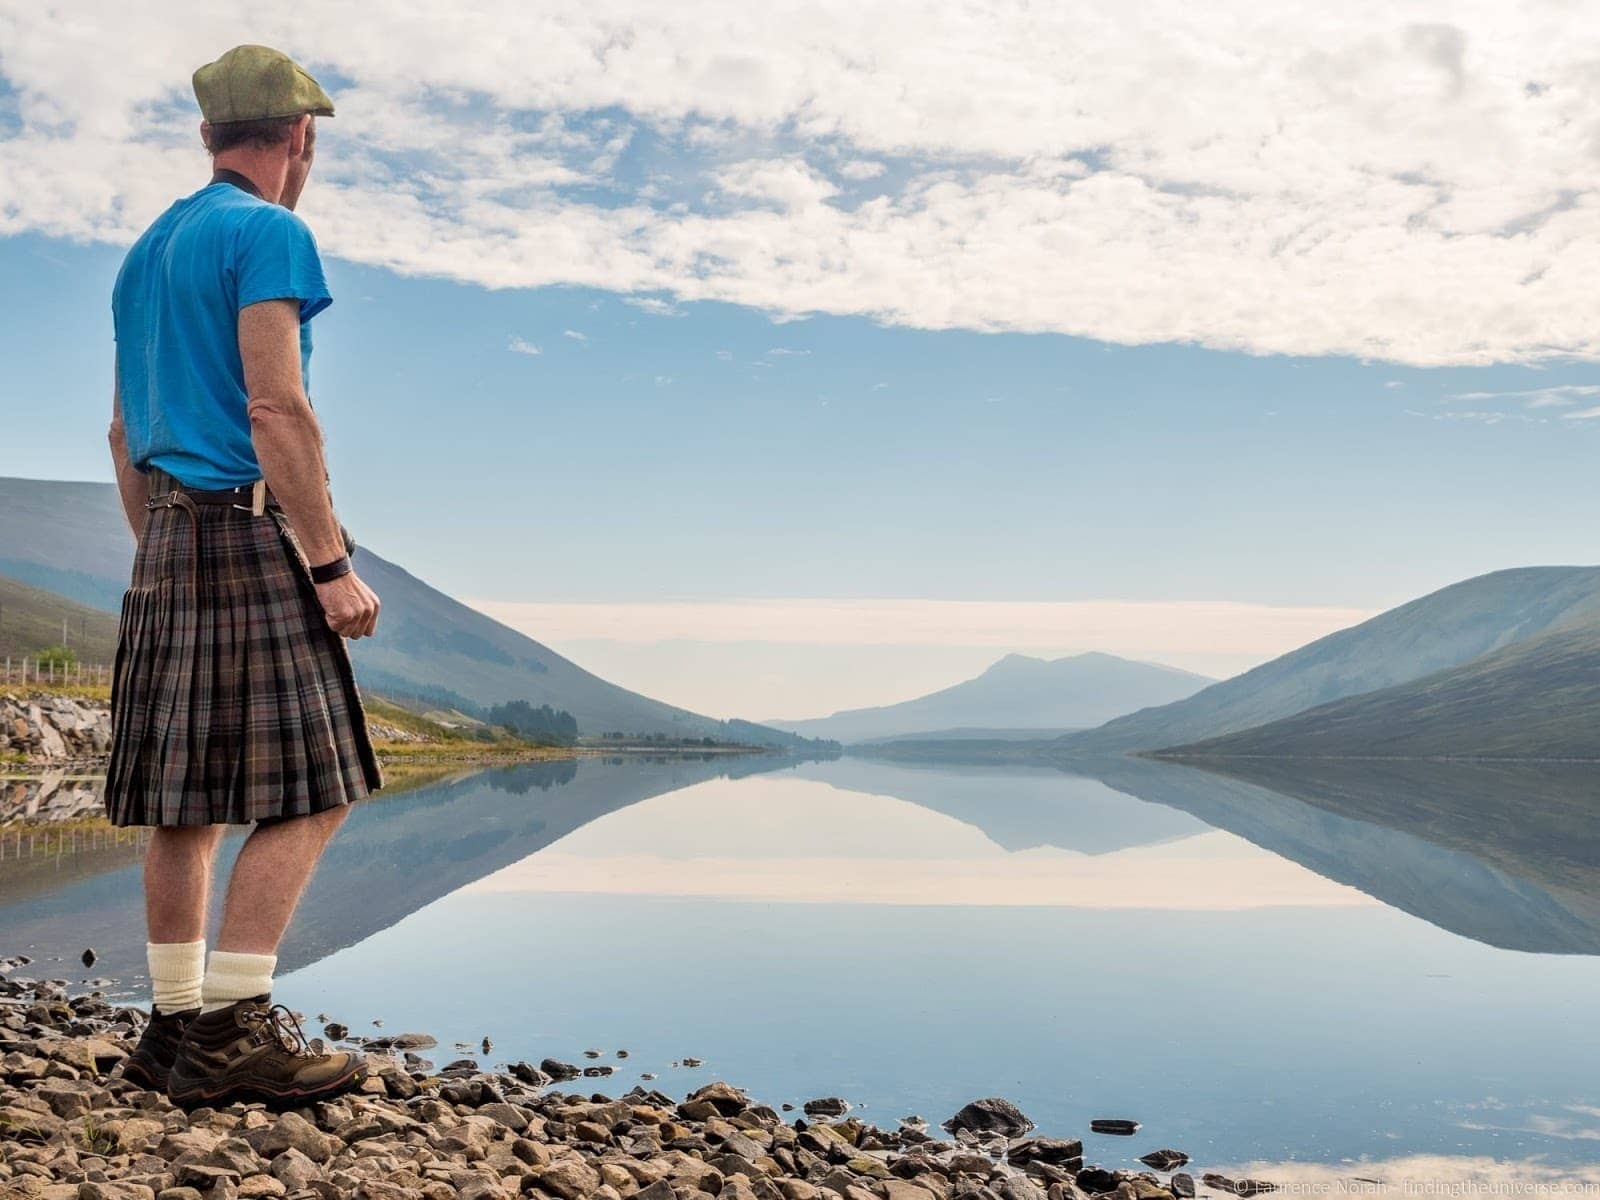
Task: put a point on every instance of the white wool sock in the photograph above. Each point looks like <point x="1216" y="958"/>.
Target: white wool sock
<point x="175" y="972"/>
<point x="232" y="977"/>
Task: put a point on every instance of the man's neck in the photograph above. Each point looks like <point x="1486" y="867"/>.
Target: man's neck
<point x="266" y="176"/>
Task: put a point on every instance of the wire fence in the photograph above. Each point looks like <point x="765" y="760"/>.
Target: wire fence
<point x="53" y="670"/>
<point x="60" y="843"/>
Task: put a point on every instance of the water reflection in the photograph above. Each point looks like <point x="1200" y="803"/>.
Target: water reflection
<point x="786" y="840"/>
<point x="1326" y="963"/>
<point x="1506" y="854"/>
<point x="394" y="855"/>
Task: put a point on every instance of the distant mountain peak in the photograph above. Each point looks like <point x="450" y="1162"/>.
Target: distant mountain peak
<point x="1018" y="691"/>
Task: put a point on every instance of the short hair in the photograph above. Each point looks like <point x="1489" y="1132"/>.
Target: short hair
<point x="268" y="131"/>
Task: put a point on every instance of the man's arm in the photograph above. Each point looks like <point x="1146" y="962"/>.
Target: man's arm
<point x="288" y="445"/>
<point x="131" y="483"/>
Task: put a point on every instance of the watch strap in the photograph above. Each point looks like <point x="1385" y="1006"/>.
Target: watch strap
<point x="330" y="571"/>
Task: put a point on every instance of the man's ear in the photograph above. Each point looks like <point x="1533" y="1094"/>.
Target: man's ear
<point x="205" y="133"/>
<point x="297" y="136"/>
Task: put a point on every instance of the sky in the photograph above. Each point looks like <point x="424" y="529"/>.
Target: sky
<point x="785" y="358"/>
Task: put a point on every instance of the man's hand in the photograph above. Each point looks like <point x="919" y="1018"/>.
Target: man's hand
<point x="350" y="605"/>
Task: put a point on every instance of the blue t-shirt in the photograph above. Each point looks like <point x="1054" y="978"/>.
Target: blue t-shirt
<point x="176" y="307"/>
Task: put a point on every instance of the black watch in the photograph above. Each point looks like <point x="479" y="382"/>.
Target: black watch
<point x="330" y="571"/>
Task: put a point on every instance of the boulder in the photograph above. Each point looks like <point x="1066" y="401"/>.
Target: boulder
<point x="291" y="1131"/>
<point x="1056" y="1151"/>
<point x="990" y="1115"/>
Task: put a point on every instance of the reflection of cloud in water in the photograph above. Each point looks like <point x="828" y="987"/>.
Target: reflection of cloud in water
<point x="788" y="840"/>
<point x="1582" y="1125"/>
<point x="1426" y="1175"/>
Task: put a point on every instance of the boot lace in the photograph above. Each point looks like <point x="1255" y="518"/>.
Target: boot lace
<point x="284" y="1027"/>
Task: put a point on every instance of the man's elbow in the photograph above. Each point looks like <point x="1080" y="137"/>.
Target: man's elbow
<point x="280" y="412"/>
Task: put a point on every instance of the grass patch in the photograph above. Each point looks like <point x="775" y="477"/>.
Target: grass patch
<point x="73" y="691"/>
<point x="96" y="1139"/>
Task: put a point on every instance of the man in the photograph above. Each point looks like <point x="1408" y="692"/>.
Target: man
<point x="233" y="700"/>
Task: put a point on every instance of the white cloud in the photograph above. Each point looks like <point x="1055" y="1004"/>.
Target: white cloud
<point x="790" y="185"/>
<point x="575" y="335"/>
<point x="861" y="169"/>
<point x="1354" y="178"/>
<point x="787" y="352"/>
<point x="1558" y="396"/>
<point x="655" y="306"/>
<point x="518" y="345"/>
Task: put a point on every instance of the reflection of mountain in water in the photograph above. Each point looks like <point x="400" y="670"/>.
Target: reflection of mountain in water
<point x="1017" y="808"/>
<point x="1504" y="854"/>
<point x="392" y="857"/>
<point x="1508" y="855"/>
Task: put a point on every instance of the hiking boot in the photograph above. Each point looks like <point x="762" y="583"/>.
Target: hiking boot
<point x="254" y="1050"/>
<point x="151" y="1061"/>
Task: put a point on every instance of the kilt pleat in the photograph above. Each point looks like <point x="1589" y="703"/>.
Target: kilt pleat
<point x="232" y="700"/>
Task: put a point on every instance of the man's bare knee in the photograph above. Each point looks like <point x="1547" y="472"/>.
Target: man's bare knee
<point x="191" y="839"/>
<point x="318" y="825"/>
<point x="328" y="820"/>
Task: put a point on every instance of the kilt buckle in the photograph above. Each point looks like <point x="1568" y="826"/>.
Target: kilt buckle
<point x="170" y="500"/>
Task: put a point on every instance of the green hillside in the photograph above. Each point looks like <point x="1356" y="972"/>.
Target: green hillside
<point x="31" y="620"/>
<point x="1535" y="699"/>
<point x="1439" y="631"/>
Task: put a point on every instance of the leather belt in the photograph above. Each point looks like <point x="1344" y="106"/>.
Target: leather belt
<point x="252" y="498"/>
<point x="167" y="492"/>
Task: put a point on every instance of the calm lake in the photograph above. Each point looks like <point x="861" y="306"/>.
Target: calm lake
<point x="1384" y="971"/>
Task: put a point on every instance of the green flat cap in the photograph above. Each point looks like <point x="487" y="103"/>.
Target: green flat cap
<point x="256" y="83"/>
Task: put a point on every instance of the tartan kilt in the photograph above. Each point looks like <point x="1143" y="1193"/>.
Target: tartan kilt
<point x="232" y="701"/>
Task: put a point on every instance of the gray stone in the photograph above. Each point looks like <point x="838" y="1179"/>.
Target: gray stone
<point x="570" y="1178"/>
<point x="990" y="1115"/>
<point x="295" y="1169"/>
<point x="291" y="1131"/>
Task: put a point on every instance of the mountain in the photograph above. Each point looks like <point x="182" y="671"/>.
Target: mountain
<point x="72" y="538"/>
<point x="1536" y="699"/>
<point x="1445" y="629"/>
<point x="30" y="621"/>
<point x="1017" y="693"/>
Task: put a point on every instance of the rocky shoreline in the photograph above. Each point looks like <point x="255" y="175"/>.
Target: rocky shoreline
<point x="59" y="731"/>
<point x="71" y="1129"/>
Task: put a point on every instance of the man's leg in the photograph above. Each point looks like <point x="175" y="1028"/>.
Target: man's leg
<point x="177" y="881"/>
<point x="271" y="872"/>
<point x="177" y="884"/>
<point x="239" y="1047"/>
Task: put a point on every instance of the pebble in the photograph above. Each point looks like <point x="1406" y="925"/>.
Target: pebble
<point x="76" y="1131"/>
